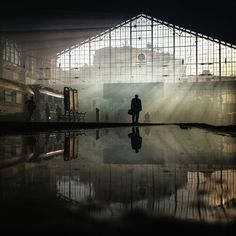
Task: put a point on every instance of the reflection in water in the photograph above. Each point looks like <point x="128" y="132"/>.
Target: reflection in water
<point x="147" y="130"/>
<point x="71" y="145"/>
<point x="136" y="139"/>
<point x="184" y="173"/>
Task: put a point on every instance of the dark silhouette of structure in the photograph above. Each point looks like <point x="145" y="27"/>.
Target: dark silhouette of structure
<point x="136" y="107"/>
<point x="47" y="112"/>
<point x="97" y="115"/>
<point x="31" y="106"/>
<point x="32" y="147"/>
<point x="136" y="139"/>
<point x="30" y="143"/>
<point x="59" y="113"/>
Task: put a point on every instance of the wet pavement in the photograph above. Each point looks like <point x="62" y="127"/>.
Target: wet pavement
<point x="182" y="173"/>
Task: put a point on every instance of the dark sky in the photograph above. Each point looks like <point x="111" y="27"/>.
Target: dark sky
<point x="213" y="18"/>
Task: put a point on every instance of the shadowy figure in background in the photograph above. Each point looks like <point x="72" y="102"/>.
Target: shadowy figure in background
<point x="31" y="106"/>
<point x="147" y="117"/>
<point x="47" y="112"/>
<point x="136" y="107"/>
<point x="136" y="139"/>
<point x="97" y="115"/>
<point x="30" y="143"/>
<point x="32" y="147"/>
<point x="58" y="111"/>
<point x="58" y="136"/>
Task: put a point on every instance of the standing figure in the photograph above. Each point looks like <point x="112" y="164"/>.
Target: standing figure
<point x="136" y="107"/>
<point x="58" y="111"/>
<point x="97" y="115"/>
<point x="31" y="106"/>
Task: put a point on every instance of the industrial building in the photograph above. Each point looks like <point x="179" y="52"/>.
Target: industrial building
<point x="184" y="71"/>
<point x="145" y="49"/>
<point x="176" y="166"/>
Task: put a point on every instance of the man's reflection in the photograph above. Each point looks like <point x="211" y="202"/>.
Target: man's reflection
<point x="136" y="139"/>
<point x="32" y="147"/>
<point x="30" y="144"/>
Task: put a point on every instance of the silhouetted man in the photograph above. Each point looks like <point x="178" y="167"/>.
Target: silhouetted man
<point x="31" y="106"/>
<point x="136" y="107"/>
<point x="58" y="111"/>
<point x="136" y="139"/>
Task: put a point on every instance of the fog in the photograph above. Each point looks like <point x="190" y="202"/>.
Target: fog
<point x="202" y="102"/>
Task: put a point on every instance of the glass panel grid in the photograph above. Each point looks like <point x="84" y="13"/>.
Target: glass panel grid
<point x="148" y="50"/>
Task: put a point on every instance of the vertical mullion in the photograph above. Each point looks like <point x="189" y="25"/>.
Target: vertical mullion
<point x="131" y="50"/>
<point x="196" y="57"/>
<point x="152" y="48"/>
<point x="220" y="60"/>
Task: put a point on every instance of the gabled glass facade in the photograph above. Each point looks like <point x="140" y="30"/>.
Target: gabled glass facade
<point x="145" y="49"/>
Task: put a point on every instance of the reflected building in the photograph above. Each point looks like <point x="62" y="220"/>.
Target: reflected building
<point x="163" y="190"/>
<point x="179" y="179"/>
<point x="16" y="149"/>
<point x="13" y="150"/>
<point x="71" y="145"/>
<point x="185" y="173"/>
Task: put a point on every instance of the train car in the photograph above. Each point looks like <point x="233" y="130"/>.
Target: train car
<point x="13" y="96"/>
<point x="15" y="149"/>
<point x="12" y="100"/>
<point x="49" y="103"/>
